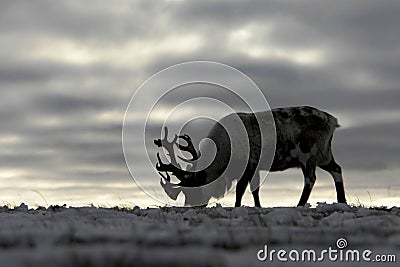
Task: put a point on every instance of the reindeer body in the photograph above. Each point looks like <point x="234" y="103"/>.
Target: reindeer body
<point x="303" y="140"/>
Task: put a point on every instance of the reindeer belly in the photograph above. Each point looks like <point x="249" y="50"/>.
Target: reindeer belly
<point x="283" y="161"/>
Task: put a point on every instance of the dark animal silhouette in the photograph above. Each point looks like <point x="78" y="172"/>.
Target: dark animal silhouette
<point x="303" y="140"/>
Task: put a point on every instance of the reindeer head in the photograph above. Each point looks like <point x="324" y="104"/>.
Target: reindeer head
<point x="187" y="178"/>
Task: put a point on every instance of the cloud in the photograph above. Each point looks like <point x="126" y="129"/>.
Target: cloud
<point x="68" y="70"/>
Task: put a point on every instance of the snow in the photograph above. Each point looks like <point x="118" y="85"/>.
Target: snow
<point x="172" y="236"/>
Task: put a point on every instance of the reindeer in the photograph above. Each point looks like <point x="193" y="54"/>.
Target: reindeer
<point x="303" y="140"/>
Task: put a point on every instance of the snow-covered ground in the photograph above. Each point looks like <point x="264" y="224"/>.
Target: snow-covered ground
<point x="216" y="236"/>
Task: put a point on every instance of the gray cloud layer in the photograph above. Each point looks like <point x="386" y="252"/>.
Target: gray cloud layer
<point x="69" y="68"/>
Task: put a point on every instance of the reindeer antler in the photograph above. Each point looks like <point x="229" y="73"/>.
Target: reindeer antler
<point x="170" y="167"/>
<point x="169" y="146"/>
<point x="189" y="148"/>
<point x="174" y="167"/>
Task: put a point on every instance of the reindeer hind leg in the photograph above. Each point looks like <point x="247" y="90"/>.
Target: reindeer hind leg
<point x="335" y="171"/>
<point x="309" y="180"/>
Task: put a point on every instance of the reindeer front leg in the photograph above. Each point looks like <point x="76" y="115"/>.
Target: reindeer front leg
<point x="250" y="176"/>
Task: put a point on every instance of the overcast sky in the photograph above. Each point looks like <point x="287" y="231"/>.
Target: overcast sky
<point x="69" y="68"/>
